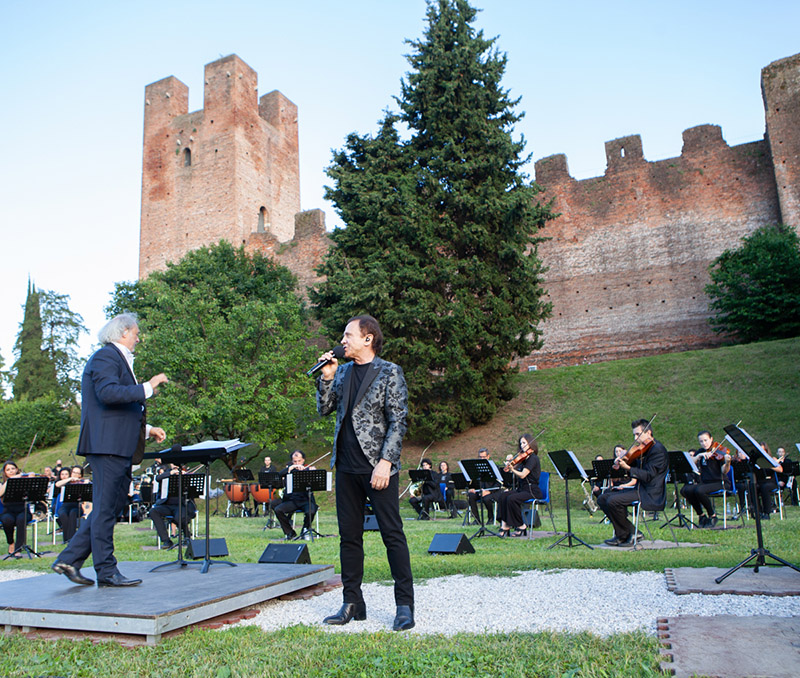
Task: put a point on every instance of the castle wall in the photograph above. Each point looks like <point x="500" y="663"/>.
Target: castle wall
<point x="628" y="257"/>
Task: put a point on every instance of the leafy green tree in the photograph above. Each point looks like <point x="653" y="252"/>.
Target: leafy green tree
<point x="755" y="288"/>
<point x="61" y="332"/>
<point x="229" y="331"/>
<point x="34" y="370"/>
<point x="441" y="231"/>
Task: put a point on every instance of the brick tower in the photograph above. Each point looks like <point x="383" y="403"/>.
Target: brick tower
<point x="229" y="171"/>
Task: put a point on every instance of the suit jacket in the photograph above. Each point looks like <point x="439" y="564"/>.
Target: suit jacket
<point x="112" y="406"/>
<point x="650" y="476"/>
<point x="379" y="414"/>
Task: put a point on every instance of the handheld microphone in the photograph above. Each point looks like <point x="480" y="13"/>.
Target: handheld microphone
<point x="338" y="353"/>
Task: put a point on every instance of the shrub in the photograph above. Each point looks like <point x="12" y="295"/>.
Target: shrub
<point x="21" y="420"/>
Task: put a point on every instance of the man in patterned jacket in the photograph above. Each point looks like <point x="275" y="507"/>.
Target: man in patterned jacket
<point x="370" y="398"/>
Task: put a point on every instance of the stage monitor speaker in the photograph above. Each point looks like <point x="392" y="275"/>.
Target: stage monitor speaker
<point x="371" y="523"/>
<point x="196" y="548"/>
<point x="450" y="543"/>
<point x="297" y="554"/>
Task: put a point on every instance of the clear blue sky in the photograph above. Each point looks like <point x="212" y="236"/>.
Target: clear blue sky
<point x="73" y="78"/>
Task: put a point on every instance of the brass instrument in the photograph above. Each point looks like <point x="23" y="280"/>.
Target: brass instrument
<point x="590" y="503"/>
<point x="415" y="489"/>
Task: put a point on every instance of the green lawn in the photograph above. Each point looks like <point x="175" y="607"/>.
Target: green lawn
<point x="586" y="409"/>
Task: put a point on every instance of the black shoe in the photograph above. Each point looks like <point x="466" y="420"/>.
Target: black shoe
<point x="118" y="579"/>
<point x="167" y="545"/>
<point x="614" y="541"/>
<point x="71" y="572"/>
<point x="765" y="516"/>
<point x="348" y="611"/>
<point x="712" y="522"/>
<point x="520" y="533"/>
<point x="290" y="536"/>
<point x="404" y="619"/>
<point x="702" y="521"/>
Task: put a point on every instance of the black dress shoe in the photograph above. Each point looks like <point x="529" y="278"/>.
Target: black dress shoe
<point x="71" y="572"/>
<point x="118" y="579"/>
<point x="404" y="619"/>
<point x="348" y="611"/>
<point x="167" y="545"/>
<point x="614" y="541"/>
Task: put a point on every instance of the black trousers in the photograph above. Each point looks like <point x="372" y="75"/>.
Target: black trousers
<point x="111" y="476"/>
<point x="423" y="504"/>
<point x="488" y="501"/>
<point x="353" y="490"/>
<point x="509" y="507"/>
<point x="68" y="515"/>
<point x="286" y="509"/>
<point x="161" y="513"/>
<point x="615" y="503"/>
<point x="15" y="515"/>
<point x="697" y="496"/>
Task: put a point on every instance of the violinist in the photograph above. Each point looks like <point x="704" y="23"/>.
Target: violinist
<point x="487" y="494"/>
<point x="647" y="463"/>
<point x="296" y="501"/>
<point x="714" y="462"/>
<point x="15" y="514"/>
<point x="526" y="468"/>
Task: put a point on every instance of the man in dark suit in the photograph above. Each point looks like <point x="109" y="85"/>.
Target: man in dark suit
<point x="370" y="398"/>
<point x="113" y="431"/>
<point x="649" y="471"/>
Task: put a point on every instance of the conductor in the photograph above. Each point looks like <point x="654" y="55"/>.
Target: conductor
<point x="112" y="435"/>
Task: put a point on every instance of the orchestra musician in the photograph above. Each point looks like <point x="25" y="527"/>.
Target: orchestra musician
<point x="68" y="512"/>
<point x="446" y="488"/>
<point x="714" y="462"/>
<point x="15" y="514"/>
<point x="297" y="500"/>
<point x="166" y="508"/>
<point x="649" y="469"/>
<point x="526" y="473"/>
<point x="487" y="494"/>
<point x="429" y="492"/>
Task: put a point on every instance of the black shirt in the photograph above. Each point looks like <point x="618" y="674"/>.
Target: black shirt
<point x="350" y="457"/>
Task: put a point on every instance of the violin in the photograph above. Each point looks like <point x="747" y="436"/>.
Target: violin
<point x="637" y="449"/>
<point x="522" y="455"/>
<point x="718" y="452"/>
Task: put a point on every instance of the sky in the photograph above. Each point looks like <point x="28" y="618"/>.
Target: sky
<point x="73" y="76"/>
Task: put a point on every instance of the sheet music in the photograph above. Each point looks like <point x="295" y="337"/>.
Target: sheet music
<point x="578" y="465"/>
<point x="228" y="445"/>
<point x="492" y="466"/>
<point x="690" y="459"/>
<point x="739" y="449"/>
<point x="757" y="445"/>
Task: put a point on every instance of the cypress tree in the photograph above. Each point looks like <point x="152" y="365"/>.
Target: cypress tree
<point x="442" y="230"/>
<point x="34" y="371"/>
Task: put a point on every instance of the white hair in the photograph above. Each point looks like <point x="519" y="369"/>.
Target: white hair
<point x="116" y="327"/>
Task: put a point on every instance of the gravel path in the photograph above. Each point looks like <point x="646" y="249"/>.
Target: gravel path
<point x="556" y="600"/>
<point x="540" y="600"/>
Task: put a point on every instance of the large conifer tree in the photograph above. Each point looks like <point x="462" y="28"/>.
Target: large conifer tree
<point x="441" y="235"/>
<point x="34" y="371"/>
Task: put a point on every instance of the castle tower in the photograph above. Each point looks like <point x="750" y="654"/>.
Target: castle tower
<point x="780" y="87"/>
<point x="229" y="171"/>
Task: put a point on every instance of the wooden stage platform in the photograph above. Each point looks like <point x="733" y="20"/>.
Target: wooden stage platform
<point x="166" y="600"/>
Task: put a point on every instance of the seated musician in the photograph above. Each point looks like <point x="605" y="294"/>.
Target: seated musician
<point x="526" y="474"/>
<point x="68" y="512"/>
<point x="15" y="514"/>
<point x="487" y="494"/>
<point x="786" y="479"/>
<point x="297" y="500"/>
<point x="166" y="509"/>
<point x="714" y="462"/>
<point x="430" y="492"/>
<point x="767" y="485"/>
<point x="447" y="488"/>
<point x="649" y="470"/>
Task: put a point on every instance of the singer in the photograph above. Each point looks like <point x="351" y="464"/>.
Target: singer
<point x="112" y="436"/>
<point x="370" y="398"/>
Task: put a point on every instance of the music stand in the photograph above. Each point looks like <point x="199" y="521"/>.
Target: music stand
<point x="680" y="463"/>
<point x="184" y="486"/>
<point x="421" y="475"/>
<point x="745" y="443"/>
<point x="270" y="480"/>
<point x="309" y="480"/>
<point x="25" y="490"/>
<point x="204" y="453"/>
<point x="76" y="493"/>
<point x="484" y="471"/>
<point x="568" y="468"/>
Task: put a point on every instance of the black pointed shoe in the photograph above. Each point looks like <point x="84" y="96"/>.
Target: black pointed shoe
<point x="118" y="579"/>
<point x="71" y="572"/>
<point x="404" y="619"/>
<point x="348" y="611"/>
